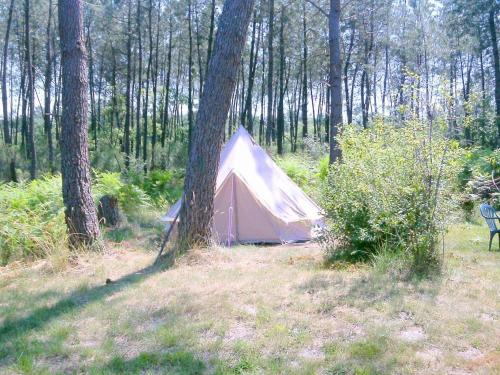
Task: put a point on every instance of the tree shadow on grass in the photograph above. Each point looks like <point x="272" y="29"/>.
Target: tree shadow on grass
<point x="18" y="327"/>
<point x="368" y="290"/>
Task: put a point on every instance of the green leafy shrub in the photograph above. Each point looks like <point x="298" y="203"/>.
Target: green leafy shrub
<point x="295" y="168"/>
<point x="107" y="183"/>
<point x="164" y="187"/>
<point x="480" y="168"/>
<point x="393" y="189"/>
<point x="130" y="197"/>
<point x="305" y="171"/>
<point x="323" y="167"/>
<point x="479" y="163"/>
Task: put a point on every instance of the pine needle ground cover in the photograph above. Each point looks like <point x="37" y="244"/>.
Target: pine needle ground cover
<point x="249" y="310"/>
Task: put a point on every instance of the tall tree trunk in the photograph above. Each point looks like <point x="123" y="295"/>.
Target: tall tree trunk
<point x="93" y="114"/>
<point x="304" y="79"/>
<point x="190" y="77"/>
<point x="146" y="99"/>
<point x="327" y="114"/>
<point x="24" y="110"/>
<point x="210" y="33"/>
<point x="386" y="77"/>
<point x="201" y="71"/>
<point x="139" y="83"/>
<point x="346" y="76"/>
<point x="496" y="60"/>
<point x="247" y="110"/>
<point x="7" y="136"/>
<point x="80" y="212"/>
<point x="335" y="79"/>
<point x="201" y="174"/>
<point x="281" y="113"/>
<point x="466" y="86"/>
<point x="47" y="118"/>
<point x="57" y="99"/>
<point x="451" y="111"/>
<point x="99" y="101"/>
<point x="262" y="94"/>
<point x="126" y="145"/>
<point x="7" y="130"/>
<point x="155" y="91"/>
<point x="270" y="120"/>
<point x="114" y="101"/>
<point x="166" y="99"/>
<point x="31" y="89"/>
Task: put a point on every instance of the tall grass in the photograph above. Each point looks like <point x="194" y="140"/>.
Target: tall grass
<point x="31" y="220"/>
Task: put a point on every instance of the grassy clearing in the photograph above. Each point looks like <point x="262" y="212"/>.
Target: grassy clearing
<point x="273" y="310"/>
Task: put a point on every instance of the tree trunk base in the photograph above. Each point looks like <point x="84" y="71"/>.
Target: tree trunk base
<point x="108" y="211"/>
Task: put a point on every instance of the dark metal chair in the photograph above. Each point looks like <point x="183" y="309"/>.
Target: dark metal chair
<point x="491" y="217"/>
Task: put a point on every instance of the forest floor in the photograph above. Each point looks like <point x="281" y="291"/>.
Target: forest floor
<point x="247" y="309"/>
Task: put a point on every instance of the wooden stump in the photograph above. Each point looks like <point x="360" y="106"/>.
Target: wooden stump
<point x="108" y="211"/>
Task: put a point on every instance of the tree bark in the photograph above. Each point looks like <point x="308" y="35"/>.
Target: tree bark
<point x="254" y="49"/>
<point x="139" y="83"/>
<point x="126" y="134"/>
<point x="7" y="136"/>
<point x="270" y="121"/>
<point x="335" y="80"/>
<point x="47" y="118"/>
<point x="93" y="114"/>
<point x="31" y="90"/>
<point x="496" y="61"/>
<point x="201" y="71"/>
<point x="146" y="99"/>
<point x="190" y="77"/>
<point x="80" y="211"/>
<point x="346" y="76"/>
<point x="281" y="114"/>
<point x="304" y="79"/>
<point x="201" y="174"/>
<point x="155" y="91"/>
<point x="166" y="99"/>
<point x="210" y="33"/>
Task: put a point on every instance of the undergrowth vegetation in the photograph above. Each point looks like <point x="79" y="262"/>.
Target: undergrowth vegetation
<point x="32" y="222"/>
<point x="32" y="219"/>
<point x="394" y="192"/>
<point x="389" y="199"/>
<point x="308" y="168"/>
<point x="479" y="179"/>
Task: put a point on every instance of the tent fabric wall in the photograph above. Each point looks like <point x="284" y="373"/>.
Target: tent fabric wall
<point x="255" y="201"/>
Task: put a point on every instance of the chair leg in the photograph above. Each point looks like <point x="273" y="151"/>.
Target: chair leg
<point x="492" y="234"/>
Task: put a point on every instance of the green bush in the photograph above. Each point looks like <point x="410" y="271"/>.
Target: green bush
<point x="476" y="178"/>
<point x="479" y="163"/>
<point x="130" y="197"/>
<point x="393" y="189"/>
<point x="296" y="168"/>
<point x="305" y="171"/>
<point x="164" y="187"/>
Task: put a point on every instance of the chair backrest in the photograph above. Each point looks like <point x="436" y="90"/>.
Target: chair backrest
<point x="490" y="215"/>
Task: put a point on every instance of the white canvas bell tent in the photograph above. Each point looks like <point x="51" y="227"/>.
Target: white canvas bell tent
<point x="255" y="201"/>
